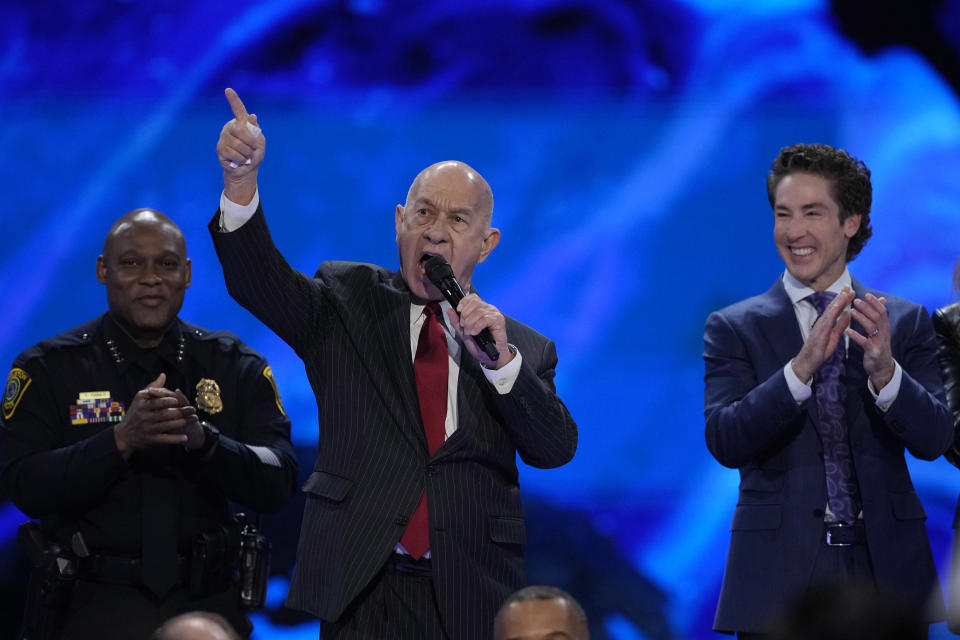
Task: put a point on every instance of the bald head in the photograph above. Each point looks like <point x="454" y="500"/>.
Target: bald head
<point x="196" y="625"/>
<point x="447" y="213"/>
<point x="143" y="219"/>
<point x="146" y="271"/>
<point x="471" y="182"/>
<point x="541" y="613"/>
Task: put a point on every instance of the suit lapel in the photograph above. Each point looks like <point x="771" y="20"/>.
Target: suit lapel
<point x="390" y="320"/>
<point x="472" y="385"/>
<point x="778" y="323"/>
<point x="469" y="396"/>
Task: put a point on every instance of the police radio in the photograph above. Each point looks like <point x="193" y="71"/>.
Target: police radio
<point x="254" y="563"/>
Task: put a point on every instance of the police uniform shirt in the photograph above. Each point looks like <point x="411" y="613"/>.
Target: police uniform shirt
<point x="65" y="395"/>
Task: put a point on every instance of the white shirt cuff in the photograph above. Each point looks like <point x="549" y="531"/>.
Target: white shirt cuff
<point x="800" y="391"/>
<point x="503" y="378"/>
<point x="233" y="215"/>
<point x="885" y="397"/>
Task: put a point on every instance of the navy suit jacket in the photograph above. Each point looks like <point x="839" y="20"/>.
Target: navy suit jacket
<point x="350" y="324"/>
<point x="753" y="424"/>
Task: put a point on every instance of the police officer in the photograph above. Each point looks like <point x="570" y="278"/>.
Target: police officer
<point x="128" y="436"/>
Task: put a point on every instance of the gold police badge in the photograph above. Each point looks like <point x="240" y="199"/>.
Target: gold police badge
<point x="208" y="396"/>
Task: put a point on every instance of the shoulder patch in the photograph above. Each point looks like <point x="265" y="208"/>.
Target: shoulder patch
<point x="268" y="374"/>
<point x="13" y="392"/>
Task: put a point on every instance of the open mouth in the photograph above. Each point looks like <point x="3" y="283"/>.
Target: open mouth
<point x="422" y="262"/>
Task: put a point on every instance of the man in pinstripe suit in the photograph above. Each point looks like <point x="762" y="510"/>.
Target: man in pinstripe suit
<point x="356" y="327"/>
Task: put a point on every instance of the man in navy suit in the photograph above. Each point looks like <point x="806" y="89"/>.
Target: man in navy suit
<point x="825" y="495"/>
<point x="413" y="526"/>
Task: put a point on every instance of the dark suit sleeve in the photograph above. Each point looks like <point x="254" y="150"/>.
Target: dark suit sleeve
<point x="946" y="323"/>
<point x="746" y="417"/>
<point x="919" y="416"/>
<point x="266" y="477"/>
<point x="259" y="278"/>
<point x="539" y="424"/>
<point x="41" y="476"/>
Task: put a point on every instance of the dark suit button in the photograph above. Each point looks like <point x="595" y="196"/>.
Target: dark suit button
<point x="401" y="521"/>
<point x="431" y="470"/>
<point x="818" y="513"/>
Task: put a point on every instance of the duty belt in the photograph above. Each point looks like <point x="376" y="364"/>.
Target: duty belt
<point x="123" y="570"/>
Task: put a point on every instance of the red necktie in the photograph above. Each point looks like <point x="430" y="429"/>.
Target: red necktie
<point x="430" y="370"/>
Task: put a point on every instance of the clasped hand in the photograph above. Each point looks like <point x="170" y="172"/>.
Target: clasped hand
<point x="871" y="313"/>
<point x="158" y="416"/>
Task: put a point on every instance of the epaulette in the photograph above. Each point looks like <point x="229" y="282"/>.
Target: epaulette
<point x="226" y="339"/>
<point x="79" y="336"/>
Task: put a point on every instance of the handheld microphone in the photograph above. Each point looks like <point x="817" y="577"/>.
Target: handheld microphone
<point x="441" y="275"/>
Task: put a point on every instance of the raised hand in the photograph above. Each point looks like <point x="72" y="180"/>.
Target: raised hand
<point x="871" y="313"/>
<point x="240" y="150"/>
<point x="824" y="335"/>
<point x="156" y="416"/>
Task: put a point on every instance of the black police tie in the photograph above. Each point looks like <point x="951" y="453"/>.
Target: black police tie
<point x="160" y="506"/>
<point x="160" y="563"/>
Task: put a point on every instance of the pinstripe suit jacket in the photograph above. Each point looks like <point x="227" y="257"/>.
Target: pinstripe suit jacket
<point x="350" y="324"/>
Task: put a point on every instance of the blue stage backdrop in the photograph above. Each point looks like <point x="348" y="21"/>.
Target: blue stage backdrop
<point x="626" y="143"/>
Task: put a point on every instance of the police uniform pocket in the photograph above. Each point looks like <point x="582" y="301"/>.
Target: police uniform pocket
<point x="327" y="485"/>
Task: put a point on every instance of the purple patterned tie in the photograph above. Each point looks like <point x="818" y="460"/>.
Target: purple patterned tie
<point x="843" y="494"/>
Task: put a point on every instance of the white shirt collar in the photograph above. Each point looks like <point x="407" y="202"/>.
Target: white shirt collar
<point x="416" y="312"/>
<point x="797" y="291"/>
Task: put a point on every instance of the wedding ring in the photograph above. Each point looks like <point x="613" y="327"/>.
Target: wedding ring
<point x="875" y="332"/>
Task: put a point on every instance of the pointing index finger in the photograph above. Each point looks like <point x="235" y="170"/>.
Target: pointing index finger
<point x="236" y="105"/>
